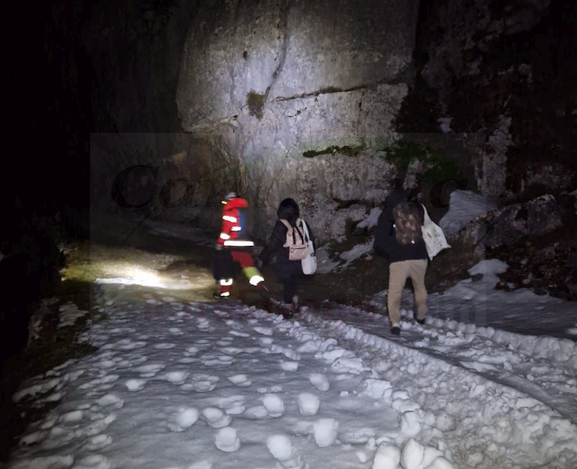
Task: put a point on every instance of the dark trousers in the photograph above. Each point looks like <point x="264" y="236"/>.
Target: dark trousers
<point x="288" y="288"/>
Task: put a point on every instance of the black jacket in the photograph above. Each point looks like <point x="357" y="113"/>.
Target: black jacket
<point x="274" y="251"/>
<point x="385" y="240"/>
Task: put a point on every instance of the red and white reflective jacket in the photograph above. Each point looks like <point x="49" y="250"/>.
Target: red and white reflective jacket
<point x="229" y="233"/>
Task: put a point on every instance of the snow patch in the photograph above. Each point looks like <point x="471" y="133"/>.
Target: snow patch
<point x="464" y="206"/>
<point x="372" y="219"/>
<point x="69" y="313"/>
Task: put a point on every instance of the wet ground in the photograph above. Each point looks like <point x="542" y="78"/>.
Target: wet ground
<point x="178" y="258"/>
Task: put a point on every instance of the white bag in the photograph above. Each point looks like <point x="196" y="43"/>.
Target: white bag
<point x="433" y="236"/>
<point x="309" y="263"/>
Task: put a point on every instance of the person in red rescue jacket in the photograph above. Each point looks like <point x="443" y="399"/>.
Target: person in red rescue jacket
<point x="234" y="246"/>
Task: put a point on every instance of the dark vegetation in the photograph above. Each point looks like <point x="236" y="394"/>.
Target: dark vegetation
<point x="255" y="102"/>
<point x="332" y="150"/>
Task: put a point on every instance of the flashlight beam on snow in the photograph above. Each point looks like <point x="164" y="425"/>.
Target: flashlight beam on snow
<point x="139" y="276"/>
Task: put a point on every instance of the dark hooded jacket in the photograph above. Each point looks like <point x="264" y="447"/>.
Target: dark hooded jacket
<point x="274" y="251"/>
<point x="385" y="240"/>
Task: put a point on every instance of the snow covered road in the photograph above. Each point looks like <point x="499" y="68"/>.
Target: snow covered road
<point x="206" y="386"/>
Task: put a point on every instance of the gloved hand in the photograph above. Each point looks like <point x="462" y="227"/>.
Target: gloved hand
<point x="218" y="247"/>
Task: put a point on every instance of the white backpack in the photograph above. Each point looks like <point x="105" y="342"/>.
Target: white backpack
<point x="295" y="241"/>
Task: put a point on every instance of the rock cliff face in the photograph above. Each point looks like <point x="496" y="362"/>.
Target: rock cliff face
<point x="303" y="99"/>
<point x="506" y="71"/>
<point x="281" y="90"/>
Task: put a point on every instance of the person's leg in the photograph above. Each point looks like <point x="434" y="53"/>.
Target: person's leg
<point x="417" y="271"/>
<point x="225" y="287"/>
<point x="247" y="263"/>
<point x="397" y="280"/>
<point x="223" y="272"/>
<point x="288" y="289"/>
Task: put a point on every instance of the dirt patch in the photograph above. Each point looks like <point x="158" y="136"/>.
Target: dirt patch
<point x="54" y="347"/>
<point x="546" y="264"/>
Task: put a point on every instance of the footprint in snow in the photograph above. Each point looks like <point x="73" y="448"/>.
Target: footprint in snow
<point x="233" y="405"/>
<point x="263" y="330"/>
<point x="216" y="360"/>
<point x="72" y="418"/>
<point x="188" y="360"/>
<point x="191" y="351"/>
<point x="227" y="440"/>
<point x="240" y="380"/>
<point x="319" y="381"/>
<point x="274" y="405"/>
<point x="199" y="465"/>
<point x="149" y="371"/>
<point x="325" y="432"/>
<point x="135" y="384"/>
<point x="176" y="377"/>
<point x="232" y="350"/>
<point x="216" y="418"/>
<point x="94" y="461"/>
<point x="233" y="324"/>
<point x="201" y="383"/>
<point x="164" y="346"/>
<point x="97" y="442"/>
<point x="134" y="345"/>
<point x="32" y="438"/>
<point x="282" y="450"/>
<point x="258" y="412"/>
<point x="265" y="341"/>
<point x="289" y="366"/>
<point x="308" y="404"/>
<point x="358" y="437"/>
<point x="271" y="390"/>
<point x="107" y="364"/>
<point x="102" y="382"/>
<point x="183" y="419"/>
<point x="239" y="334"/>
<point x="175" y="331"/>
<point x="110" y="400"/>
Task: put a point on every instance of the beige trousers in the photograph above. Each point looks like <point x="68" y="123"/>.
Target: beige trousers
<point x="398" y="274"/>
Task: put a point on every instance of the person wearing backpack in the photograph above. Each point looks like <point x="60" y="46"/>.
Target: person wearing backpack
<point x="234" y="245"/>
<point x="287" y="235"/>
<point x="399" y="238"/>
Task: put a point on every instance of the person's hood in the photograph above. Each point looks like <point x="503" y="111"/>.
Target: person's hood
<point x="396" y="196"/>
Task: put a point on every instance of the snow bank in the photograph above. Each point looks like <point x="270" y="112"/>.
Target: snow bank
<point x="358" y="251"/>
<point x="562" y="351"/>
<point x="464" y="206"/>
<point x="492" y="416"/>
<point x="69" y="313"/>
<point x="371" y="219"/>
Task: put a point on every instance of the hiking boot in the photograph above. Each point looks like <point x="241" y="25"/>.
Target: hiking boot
<point x="295" y="305"/>
<point x="287" y="310"/>
<point x="396" y="330"/>
<point x="219" y="296"/>
<point x="419" y="321"/>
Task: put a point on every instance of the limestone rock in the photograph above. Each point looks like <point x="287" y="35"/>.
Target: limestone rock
<point x="514" y="222"/>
